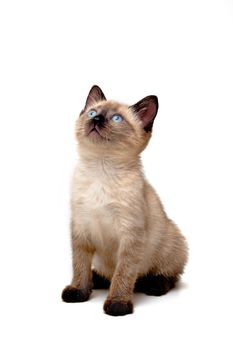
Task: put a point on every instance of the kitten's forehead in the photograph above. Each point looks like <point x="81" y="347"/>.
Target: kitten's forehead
<point x="112" y="105"/>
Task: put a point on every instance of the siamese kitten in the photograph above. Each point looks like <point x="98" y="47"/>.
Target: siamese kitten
<point x="121" y="235"/>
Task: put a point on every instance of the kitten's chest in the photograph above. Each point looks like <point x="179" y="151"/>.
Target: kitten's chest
<point x="95" y="203"/>
<point x="95" y="193"/>
<point x="106" y="200"/>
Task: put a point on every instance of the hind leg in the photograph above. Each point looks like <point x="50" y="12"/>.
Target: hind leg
<point x="155" y="284"/>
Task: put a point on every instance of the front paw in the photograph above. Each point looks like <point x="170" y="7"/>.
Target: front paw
<point x="118" y="308"/>
<point x="73" y="294"/>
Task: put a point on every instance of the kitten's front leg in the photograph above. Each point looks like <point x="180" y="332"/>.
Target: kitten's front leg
<point x="81" y="285"/>
<point x="119" y="300"/>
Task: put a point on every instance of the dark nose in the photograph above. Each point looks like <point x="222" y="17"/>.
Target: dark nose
<point x="98" y="119"/>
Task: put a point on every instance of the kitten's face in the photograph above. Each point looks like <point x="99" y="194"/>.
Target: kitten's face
<point x="110" y="127"/>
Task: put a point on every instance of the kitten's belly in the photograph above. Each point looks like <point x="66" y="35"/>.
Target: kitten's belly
<point x="104" y="264"/>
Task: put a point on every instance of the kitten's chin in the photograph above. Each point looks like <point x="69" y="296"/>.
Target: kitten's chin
<point x="93" y="142"/>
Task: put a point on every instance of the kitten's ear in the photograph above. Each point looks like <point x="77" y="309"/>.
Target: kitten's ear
<point x="146" y="110"/>
<point x="95" y="95"/>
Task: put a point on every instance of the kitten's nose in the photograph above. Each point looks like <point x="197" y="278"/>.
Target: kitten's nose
<point x="98" y="119"/>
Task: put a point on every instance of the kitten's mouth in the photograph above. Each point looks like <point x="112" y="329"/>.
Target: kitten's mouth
<point x="94" y="131"/>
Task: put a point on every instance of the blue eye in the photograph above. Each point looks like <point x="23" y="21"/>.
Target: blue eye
<point x="117" y="118"/>
<point x="92" y="113"/>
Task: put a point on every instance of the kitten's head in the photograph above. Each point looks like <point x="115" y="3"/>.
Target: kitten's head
<point x="108" y="127"/>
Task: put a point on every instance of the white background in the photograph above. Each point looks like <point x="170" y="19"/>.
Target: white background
<point x="52" y="52"/>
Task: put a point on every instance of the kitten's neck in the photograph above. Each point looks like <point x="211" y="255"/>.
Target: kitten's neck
<point x="110" y="164"/>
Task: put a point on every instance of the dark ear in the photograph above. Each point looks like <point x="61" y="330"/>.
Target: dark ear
<point x="146" y="110"/>
<point x="95" y="95"/>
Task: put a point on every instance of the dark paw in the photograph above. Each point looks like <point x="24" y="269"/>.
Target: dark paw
<point x="99" y="282"/>
<point x="158" y="291"/>
<point x="118" y="308"/>
<point x="74" y="295"/>
<point x="155" y="284"/>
